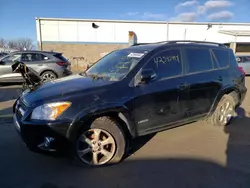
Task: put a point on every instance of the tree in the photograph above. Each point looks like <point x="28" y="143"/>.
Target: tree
<point x="11" y="44"/>
<point x="18" y="44"/>
<point x="24" y="44"/>
<point x="2" y="42"/>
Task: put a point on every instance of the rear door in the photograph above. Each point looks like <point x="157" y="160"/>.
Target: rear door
<point x="204" y="84"/>
<point x="6" y="73"/>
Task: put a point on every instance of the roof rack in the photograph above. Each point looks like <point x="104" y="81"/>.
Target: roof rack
<point x="138" y="44"/>
<point x="193" y="41"/>
<point x="183" y="41"/>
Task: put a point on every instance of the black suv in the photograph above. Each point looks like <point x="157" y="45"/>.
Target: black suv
<point x="128" y="93"/>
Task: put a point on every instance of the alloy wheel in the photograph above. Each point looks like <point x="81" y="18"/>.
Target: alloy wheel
<point x="48" y="77"/>
<point x="96" y="147"/>
<point x="226" y="113"/>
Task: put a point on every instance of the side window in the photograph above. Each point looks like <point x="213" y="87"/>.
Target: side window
<point x="166" y="63"/>
<point x="30" y="57"/>
<point x="10" y="59"/>
<point x="222" y="57"/>
<point x="198" y="60"/>
<point x="43" y="57"/>
<point x="246" y="59"/>
<point x="239" y="59"/>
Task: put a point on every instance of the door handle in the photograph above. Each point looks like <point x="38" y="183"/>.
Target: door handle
<point x="220" y="79"/>
<point x="182" y="86"/>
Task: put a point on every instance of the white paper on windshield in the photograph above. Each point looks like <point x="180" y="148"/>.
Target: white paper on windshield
<point x="136" y="55"/>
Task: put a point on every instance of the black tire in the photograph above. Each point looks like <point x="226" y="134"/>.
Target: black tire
<point x="214" y="119"/>
<point x="112" y="127"/>
<point x="48" y="76"/>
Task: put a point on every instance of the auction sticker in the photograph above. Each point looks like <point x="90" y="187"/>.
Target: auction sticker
<point x="136" y="55"/>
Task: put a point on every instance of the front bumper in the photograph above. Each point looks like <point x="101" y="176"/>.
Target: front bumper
<point x="41" y="135"/>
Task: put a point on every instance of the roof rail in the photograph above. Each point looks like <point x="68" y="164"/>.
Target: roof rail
<point x="187" y="41"/>
<point x="193" y="41"/>
<point x="138" y="44"/>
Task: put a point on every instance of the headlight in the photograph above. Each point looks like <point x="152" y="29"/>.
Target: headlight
<point x="50" y="111"/>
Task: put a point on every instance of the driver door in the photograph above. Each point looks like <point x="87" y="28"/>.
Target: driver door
<point x="6" y="73"/>
<point x="161" y="101"/>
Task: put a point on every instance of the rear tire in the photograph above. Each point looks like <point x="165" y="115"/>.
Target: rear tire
<point x="48" y="76"/>
<point x="102" y="144"/>
<point x="224" y="111"/>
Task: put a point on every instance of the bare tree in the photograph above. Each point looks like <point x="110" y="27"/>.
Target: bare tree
<point x="11" y="44"/>
<point x="18" y="44"/>
<point x="2" y="42"/>
<point x="24" y="44"/>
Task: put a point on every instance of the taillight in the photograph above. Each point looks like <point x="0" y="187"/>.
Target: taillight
<point x="241" y="70"/>
<point x="61" y="63"/>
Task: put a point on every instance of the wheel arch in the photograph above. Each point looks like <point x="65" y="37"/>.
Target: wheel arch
<point x="48" y="70"/>
<point x="120" y="115"/>
<point x="227" y="90"/>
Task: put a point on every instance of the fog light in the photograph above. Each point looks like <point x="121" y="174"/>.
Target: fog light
<point x="47" y="141"/>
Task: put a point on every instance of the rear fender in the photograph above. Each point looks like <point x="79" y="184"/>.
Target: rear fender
<point x="221" y="93"/>
<point x="86" y="116"/>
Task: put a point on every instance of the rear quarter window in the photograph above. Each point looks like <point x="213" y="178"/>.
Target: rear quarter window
<point x="222" y="58"/>
<point x="60" y="56"/>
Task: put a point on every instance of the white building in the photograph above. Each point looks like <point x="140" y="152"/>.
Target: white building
<point x="82" y="40"/>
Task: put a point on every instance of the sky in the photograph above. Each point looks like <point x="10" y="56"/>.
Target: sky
<point x="17" y="17"/>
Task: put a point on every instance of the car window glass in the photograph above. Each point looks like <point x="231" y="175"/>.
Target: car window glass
<point x="198" y="60"/>
<point x="246" y="59"/>
<point x="239" y="59"/>
<point x="30" y="57"/>
<point x="222" y="57"/>
<point x="10" y="59"/>
<point x="167" y="63"/>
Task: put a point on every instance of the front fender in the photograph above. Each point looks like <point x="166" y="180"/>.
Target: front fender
<point x="101" y="110"/>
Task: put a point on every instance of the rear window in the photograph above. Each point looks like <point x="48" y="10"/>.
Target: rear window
<point x="198" y="60"/>
<point x="60" y="56"/>
<point x="222" y="58"/>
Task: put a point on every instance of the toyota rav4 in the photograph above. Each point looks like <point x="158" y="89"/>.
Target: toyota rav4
<point x="142" y="89"/>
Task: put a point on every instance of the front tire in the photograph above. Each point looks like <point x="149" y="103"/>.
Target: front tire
<point x="103" y="143"/>
<point x="224" y="111"/>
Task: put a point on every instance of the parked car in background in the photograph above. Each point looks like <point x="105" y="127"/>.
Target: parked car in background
<point x="3" y="54"/>
<point x="243" y="60"/>
<point x="128" y="93"/>
<point x="49" y="65"/>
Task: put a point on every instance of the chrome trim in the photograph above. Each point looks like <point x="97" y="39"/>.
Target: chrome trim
<point x="17" y="125"/>
<point x="21" y="110"/>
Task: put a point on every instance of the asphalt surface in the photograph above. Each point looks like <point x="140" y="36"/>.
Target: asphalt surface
<point x="192" y="156"/>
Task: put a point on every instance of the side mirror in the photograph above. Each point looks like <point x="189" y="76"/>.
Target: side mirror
<point x="147" y="75"/>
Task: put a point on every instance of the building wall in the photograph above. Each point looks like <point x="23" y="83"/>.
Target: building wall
<point x="83" y="44"/>
<point x="80" y="55"/>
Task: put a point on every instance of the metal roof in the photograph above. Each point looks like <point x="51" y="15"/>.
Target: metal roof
<point x="140" y="21"/>
<point x="235" y="32"/>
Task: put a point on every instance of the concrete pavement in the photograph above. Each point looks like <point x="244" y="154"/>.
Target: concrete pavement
<point x="192" y="156"/>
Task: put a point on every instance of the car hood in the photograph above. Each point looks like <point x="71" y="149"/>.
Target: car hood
<point x="64" y="87"/>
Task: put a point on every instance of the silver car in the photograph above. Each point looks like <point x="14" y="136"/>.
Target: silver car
<point x="243" y="60"/>
<point x="49" y="65"/>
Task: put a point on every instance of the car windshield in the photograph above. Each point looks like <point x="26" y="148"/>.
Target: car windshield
<point x="116" y="65"/>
